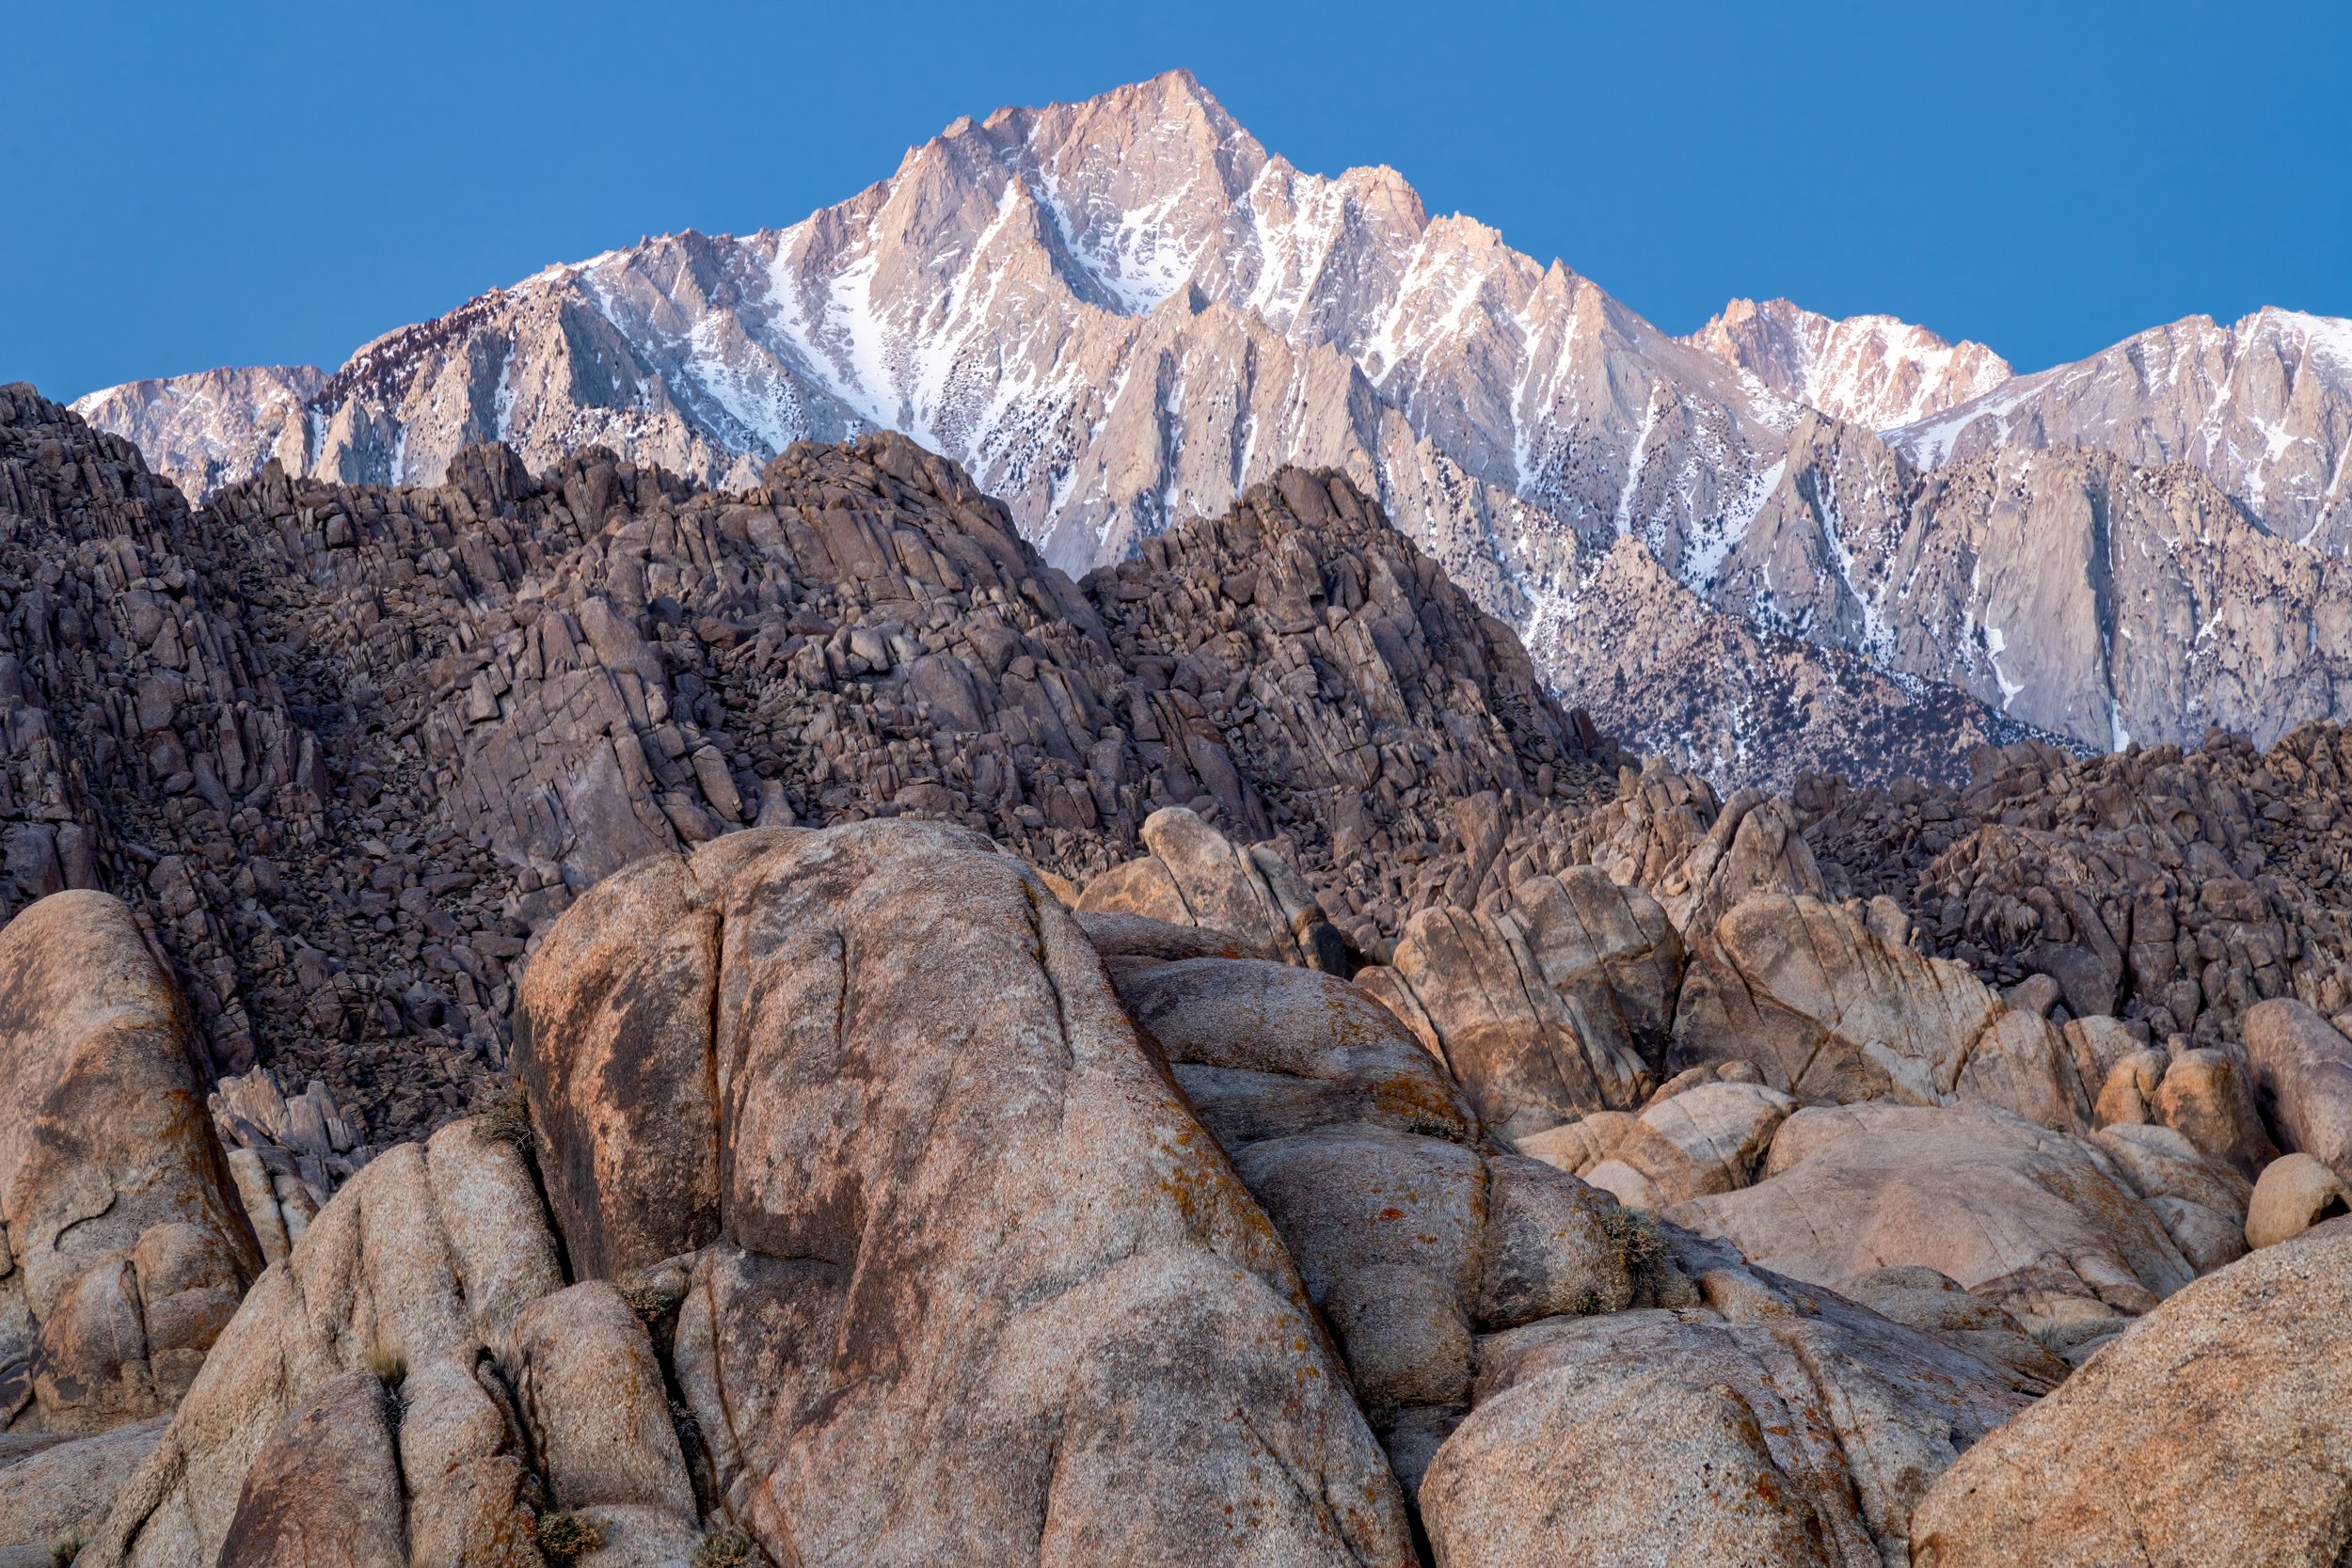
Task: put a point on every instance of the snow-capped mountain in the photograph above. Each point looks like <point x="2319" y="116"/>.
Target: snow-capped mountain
<point x="1871" y="371"/>
<point x="1119" y="313"/>
<point x="2263" y="408"/>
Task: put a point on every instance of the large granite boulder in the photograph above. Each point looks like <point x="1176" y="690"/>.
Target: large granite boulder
<point x="1452" y="1274"/>
<point x="2213" y="1431"/>
<point x="1831" y="1002"/>
<point x="1195" y="876"/>
<point x="2036" y="1220"/>
<point x="1711" y="1138"/>
<point x="2301" y="1066"/>
<point x="123" y="1248"/>
<point x="1410" y="1234"/>
<point x="1764" y="1423"/>
<point x="56" y="1490"/>
<point x="1557" y="1004"/>
<point x="982" y="1289"/>
<point x="411" y="1277"/>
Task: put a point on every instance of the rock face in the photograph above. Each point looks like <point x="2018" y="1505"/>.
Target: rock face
<point x="1214" y="1263"/>
<point x="1871" y="370"/>
<point x="1831" y="1003"/>
<point x="2209" y="1433"/>
<point x="980" y="1287"/>
<point x="2032" y="1220"/>
<point x="1512" y="1334"/>
<point x="351" y="749"/>
<point x="2302" y="1070"/>
<point x="414" y="1276"/>
<point x="1728" y="1433"/>
<point x="123" y="1251"/>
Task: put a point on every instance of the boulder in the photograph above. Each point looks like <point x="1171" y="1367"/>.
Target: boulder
<point x="1666" y="835"/>
<point x="1559" y="1003"/>
<point x="2295" y="1194"/>
<point x="1576" y="1146"/>
<point x="594" y="1398"/>
<point x="2211" y="1432"/>
<point x="606" y="1106"/>
<point x="1195" y="876"/>
<point x="1711" y="1138"/>
<point x="2199" y="1201"/>
<point x="58" y="1492"/>
<point x="1262" y="1050"/>
<point x="2302" y="1068"/>
<point x="2030" y="1219"/>
<point x="1941" y="1308"/>
<point x="413" y="1275"/>
<point x="1773" y="1425"/>
<point x="326" y="1489"/>
<point x="1608" y="952"/>
<point x="1128" y="943"/>
<point x="984" y="1288"/>
<point x="123" y="1247"/>
<point x="1831" y="1003"/>
<point x="1409" y="1237"/>
<point x="2129" y="1092"/>
<point x="2204" y="1098"/>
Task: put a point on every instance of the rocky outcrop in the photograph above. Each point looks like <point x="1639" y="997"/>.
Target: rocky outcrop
<point x="2302" y="1071"/>
<point x="351" y="749"/>
<point x="123" y="1251"/>
<point x="1831" y="1002"/>
<point x="1458" y="1280"/>
<point x="2170" y="890"/>
<point x="1194" y="876"/>
<point x="55" y="1491"/>
<point x="1732" y="1431"/>
<point x="412" y="1276"/>
<point x="1557" y="1004"/>
<point x="979" y="1286"/>
<point x="2032" y="1220"/>
<point x="2210" y="1432"/>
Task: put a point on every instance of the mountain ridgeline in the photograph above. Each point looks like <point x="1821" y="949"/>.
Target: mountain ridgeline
<point x="1123" y="312"/>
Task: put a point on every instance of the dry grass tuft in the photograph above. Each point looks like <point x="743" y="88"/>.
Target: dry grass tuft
<point x="501" y="1117"/>
<point x="726" y="1547"/>
<point x="565" y="1537"/>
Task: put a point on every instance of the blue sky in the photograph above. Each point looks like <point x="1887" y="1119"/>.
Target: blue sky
<point x="192" y="185"/>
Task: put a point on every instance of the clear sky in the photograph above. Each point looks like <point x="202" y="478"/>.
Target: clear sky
<point x="189" y="186"/>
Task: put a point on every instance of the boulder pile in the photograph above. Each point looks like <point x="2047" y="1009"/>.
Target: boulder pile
<point x="824" y="1041"/>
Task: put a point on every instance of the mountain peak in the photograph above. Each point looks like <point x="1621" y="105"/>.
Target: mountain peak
<point x="1872" y="370"/>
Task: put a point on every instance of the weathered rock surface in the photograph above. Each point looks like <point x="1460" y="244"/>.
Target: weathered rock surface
<point x="2211" y="1431"/>
<point x="60" y="1492"/>
<point x="1709" y="1138"/>
<point x="1773" y="1424"/>
<point x="1557" y="1003"/>
<point x="123" y="1251"/>
<point x="414" y="1273"/>
<point x="981" y="1287"/>
<point x="2171" y="890"/>
<point x="1831" y="1002"/>
<point x="2301" y="1066"/>
<point x="2028" y="1218"/>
